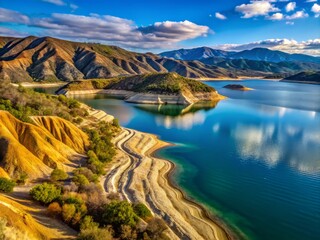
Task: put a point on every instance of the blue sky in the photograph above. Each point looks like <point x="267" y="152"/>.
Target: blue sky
<point x="292" y="26"/>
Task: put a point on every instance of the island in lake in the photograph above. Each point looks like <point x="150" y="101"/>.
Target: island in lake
<point x="238" y="87"/>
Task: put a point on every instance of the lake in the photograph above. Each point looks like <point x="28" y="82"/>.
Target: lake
<point x="252" y="159"/>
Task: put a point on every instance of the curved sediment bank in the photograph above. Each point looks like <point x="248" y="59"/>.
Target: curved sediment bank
<point x="139" y="176"/>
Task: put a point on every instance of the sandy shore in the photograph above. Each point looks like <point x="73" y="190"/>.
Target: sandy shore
<point x="141" y="177"/>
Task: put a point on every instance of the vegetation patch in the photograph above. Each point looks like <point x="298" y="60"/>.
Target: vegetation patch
<point x="23" y="103"/>
<point x="6" y="185"/>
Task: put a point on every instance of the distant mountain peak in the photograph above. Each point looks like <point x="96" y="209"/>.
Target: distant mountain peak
<point x="257" y="54"/>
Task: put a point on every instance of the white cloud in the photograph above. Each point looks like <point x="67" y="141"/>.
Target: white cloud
<point x="310" y="1"/>
<point x="297" y="15"/>
<point x="120" y="31"/>
<point x="290" y="6"/>
<point x="109" y="29"/>
<point x="275" y="16"/>
<point x="9" y="16"/>
<point x="310" y="47"/>
<point x="55" y="2"/>
<point x="256" y="8"/>
<point x="220" y="16"/>
<point x="316" y="9"/>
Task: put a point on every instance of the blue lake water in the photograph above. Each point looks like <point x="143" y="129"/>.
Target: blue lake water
<point x="253" y="159"/>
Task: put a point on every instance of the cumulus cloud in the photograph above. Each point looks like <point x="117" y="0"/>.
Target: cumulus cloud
<point x="297" y="15"/>
<point x="256" y="8"/>
<point x="275" y="16"/>
<point x="290" y="6"/>
<point x="316" y="9"/>
<point x="9" y="16"/>
<point x="220" y="16"/>
<point x="109" y="29"/>
<point x="55" y="2"/>
<point x="310" y="47"/>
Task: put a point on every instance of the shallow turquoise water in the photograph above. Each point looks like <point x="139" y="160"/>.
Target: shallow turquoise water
<point x="253" y="160"/>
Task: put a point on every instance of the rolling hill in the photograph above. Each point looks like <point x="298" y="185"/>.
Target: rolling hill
<point x="36" y="149"/>
<point x="304" y="77"/>
<point x="263" y="67"/>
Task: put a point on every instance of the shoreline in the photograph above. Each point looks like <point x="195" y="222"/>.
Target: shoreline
<point x="237" y="79"/>
<point x="140" y="176"/>
<point x="35" y="84"/>
<point x="169" y="175"/>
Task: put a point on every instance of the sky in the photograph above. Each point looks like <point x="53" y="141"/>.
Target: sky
<point x="291" y="26"/>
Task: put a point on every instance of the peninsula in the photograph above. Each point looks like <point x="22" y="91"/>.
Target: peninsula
<point x="158" y="88"/>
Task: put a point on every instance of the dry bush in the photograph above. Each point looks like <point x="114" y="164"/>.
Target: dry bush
<point x="54" y="210"/>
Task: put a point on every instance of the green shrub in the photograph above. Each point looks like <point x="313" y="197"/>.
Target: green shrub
<point x="45" y="193"/>
<point x="87" y="173"/>
<point x="58" y="175"/>
<point x="94" y="164"/>
<point x="119" y="213"/>
<point x="6" y="185"/>
<point x="80" y="180"/>
<point x="73" y="209"/>
<point x="88" y="223"/>
<point x="142" y="211"/>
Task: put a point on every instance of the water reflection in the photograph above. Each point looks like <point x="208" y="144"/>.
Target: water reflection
<point x="177" y="110"/>
<point x="273" y="142"/>
<point x="182" y="122"/>
<point x="180" y="117"/>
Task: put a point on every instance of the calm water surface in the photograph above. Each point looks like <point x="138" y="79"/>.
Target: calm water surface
<point x="253" y="159"/>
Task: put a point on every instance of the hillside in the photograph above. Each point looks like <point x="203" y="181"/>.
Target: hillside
<point x="304" y="77"/>
<point x="264" y="54"/>
<point x="262" y="67"/>
<point x="149" y="88"/>
<point x="51" y="59"/>
<point x="37" y="150"/>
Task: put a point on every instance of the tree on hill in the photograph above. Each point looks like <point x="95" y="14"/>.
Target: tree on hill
<point x="45" y="193"/>
<point x="58" y="175"/>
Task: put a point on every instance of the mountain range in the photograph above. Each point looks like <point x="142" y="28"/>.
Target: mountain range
<point x="51" y="59"/>
<point x="256" y="54"/>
